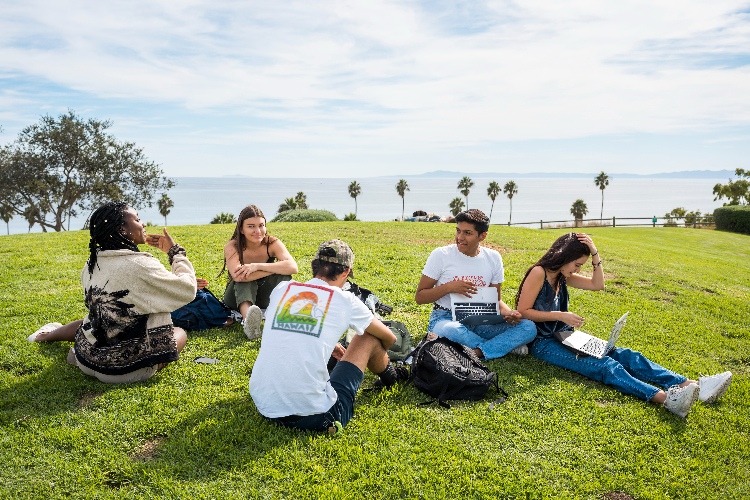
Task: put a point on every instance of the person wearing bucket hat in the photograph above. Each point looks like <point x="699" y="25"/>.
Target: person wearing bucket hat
<point x="304" y="323"/>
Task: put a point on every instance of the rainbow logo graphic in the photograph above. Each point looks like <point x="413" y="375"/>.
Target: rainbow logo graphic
<point x="303" y="309"/>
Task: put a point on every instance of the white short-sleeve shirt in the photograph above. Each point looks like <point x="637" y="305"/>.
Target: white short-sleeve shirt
<point x="447" y="264"/>
<point x="304" y="321"/>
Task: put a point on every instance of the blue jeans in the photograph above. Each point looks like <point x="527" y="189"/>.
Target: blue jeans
<point x="495" y="341"/>
<point x="345" y="379"/>
<point x="624" y="369"/>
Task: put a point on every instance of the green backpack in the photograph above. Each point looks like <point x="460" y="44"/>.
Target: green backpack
<point x="400" y="349"/>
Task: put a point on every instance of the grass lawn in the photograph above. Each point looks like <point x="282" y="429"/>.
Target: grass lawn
<point x="193" y="431"/>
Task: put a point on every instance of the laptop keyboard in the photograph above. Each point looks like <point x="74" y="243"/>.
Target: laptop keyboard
<point x="474" y="309"/>
<point x="594" y="347"/>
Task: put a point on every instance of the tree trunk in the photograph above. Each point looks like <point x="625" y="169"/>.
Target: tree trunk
<point x="355" y="207"/>
<point x="492" y="208"/>
<point x="601" y="214"/>
<point x="510" y="217"/>
<point x="403" y="201"/>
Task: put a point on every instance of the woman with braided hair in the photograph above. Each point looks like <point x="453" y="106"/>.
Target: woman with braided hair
<point x="255" y="262"/>
<point x="127" y="335"/>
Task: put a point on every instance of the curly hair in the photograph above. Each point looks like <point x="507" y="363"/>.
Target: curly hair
<point x="476" y="218"/>
<point x="566" y="248"/>
<point x="105" y="230"/>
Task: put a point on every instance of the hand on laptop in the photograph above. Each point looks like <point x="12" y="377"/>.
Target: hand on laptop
<point x="466" y="288"/>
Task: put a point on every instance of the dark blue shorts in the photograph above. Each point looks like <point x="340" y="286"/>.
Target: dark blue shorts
<point x="345" y="379"/>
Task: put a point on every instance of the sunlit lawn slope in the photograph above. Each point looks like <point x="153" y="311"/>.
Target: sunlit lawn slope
<point x="193" y="432"/>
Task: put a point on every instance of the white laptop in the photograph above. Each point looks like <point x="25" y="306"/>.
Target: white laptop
<point x="588" y="344"/>
<point x="480" y="309"/>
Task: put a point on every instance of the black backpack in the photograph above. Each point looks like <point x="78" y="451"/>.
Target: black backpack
<point x="447" y="370"/>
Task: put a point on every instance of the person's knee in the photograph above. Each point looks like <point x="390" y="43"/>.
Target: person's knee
<point x="446" y="328"/>
<point x="180" y="338"/>
<point x="527" y="330"/>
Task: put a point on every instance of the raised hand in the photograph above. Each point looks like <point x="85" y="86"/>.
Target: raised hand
<point x="162" y="242"/>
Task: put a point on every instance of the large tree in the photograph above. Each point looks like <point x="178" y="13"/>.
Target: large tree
<point x="602" y="181"/>
<point x="401" y="188"/>
<point x="6" y="214"/>
<point x="737" y="192"/>
<point x="64" y="166"/>
<point x="465" y="185"/>
<point x="355" y="190"/>
<point x="510" y="189"/>
<point x="493" y="191"/>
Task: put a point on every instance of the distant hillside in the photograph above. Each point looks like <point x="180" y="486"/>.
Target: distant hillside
<point x="685" y="174"/>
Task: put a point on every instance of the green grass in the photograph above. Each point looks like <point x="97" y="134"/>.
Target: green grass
<point x="193" y="431"/>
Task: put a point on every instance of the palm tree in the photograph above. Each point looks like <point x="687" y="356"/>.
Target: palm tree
<point x="510" y="189"/>
<point x="492" y="192"/>
<point x="464" y="185"/>
<point x="578" y="210"/>
<point x="602" y="181"/>
<point x="164" y="203"/>
<point x="355" y="190"/>
<point x="300" y="201"/>
<point x="456" y="206"/>
<point x="401" y="188"/>
<point x="6" y="214"/>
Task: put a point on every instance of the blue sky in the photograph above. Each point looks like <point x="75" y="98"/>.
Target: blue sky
<point x="336" y="89"/>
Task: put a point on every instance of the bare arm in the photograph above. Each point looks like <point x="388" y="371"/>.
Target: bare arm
<point x="531" y="288"/>
<point x="286" y="265"/>
<point x="596" y="281"/>
<point x="427" y="292"/>
<point x="378" y="330"/>
<point x="511" y="316"/>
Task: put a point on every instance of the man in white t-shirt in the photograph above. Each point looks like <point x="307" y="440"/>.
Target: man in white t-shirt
<point x="462" y="268"/>
<point x="290" y="383"/>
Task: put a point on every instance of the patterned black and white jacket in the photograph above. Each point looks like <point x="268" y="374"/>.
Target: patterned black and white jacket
<point x="130" y="296"/>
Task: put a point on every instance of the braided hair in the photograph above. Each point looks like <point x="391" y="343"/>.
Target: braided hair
<point x="105" y="229"/>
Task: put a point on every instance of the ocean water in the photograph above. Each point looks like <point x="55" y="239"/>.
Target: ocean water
<point x="197" y="200"/>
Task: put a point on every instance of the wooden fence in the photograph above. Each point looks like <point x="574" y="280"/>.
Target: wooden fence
<point x="695" y="222"/>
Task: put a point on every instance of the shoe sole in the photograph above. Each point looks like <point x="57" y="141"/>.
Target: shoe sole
<point x="719" y="393"/>
<point x="44" y="329"/>
<point x="252" y="323"/>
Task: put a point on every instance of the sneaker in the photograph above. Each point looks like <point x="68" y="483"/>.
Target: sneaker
<point x="252" y="322"/>
<point x="714" y="386"/>
<point x="521" y="350"/>
<point x="402" y="375"/>
<point x="45" y="329"/>
<point x="681" y="399"/>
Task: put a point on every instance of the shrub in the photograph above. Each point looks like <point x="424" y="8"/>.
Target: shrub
<point x="351" y="217"/>
<point x="306" y="215"/>
<point x="733" y="218"/>
<point x="224" y="218"/>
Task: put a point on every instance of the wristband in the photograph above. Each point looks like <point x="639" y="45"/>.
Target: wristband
<point x="594" y="255"/>
<point x="598" y="264"/>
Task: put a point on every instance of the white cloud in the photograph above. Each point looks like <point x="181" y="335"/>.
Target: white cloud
<point x="374" y="74"/>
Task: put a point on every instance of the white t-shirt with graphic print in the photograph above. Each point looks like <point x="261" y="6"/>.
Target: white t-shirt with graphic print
<point x="304" y="321"/>
<point x="447" y="264"/>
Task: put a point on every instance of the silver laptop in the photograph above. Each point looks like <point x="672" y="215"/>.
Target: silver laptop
<point x="480" y="309"/>
<point x="593" y="346"/>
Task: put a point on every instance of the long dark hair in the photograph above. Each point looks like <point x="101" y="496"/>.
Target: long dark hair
<point x="566" y="248"/>
<point x="240" y="242"/>
<point x="106" y="231"/>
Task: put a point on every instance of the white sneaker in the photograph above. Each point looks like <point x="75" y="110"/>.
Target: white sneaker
<point x="714" y="386"/>
<point x="45" y="329"/>
<point x="680" y="399"/>
<point x="252" y="322"/>
<point x="521" y="350"/>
